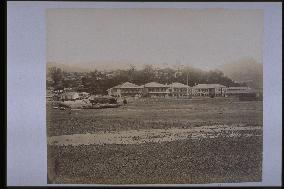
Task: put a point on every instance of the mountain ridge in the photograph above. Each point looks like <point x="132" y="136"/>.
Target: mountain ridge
<point x="246" y="70"/>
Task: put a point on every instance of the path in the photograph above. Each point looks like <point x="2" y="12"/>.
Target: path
<point x="155" y="135"/>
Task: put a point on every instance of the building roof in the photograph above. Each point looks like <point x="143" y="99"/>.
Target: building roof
<point x="159" y="92"/>
<point x="209" y="86"/>
<point x="247" y="90"/>
<point x="126" y="85"/>
<point x="154" y="84"/>
<point x="238" y="88"/>
<point x="178" y="85"/>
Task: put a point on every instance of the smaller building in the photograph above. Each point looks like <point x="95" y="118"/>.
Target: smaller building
<point x="49" y="95"/>
<point x="249" y="95"/>
<point x="209" y="90"/>
<point x="69" y="96"/>
<point x="179" y="90"/>
<point x="237" y="91"/>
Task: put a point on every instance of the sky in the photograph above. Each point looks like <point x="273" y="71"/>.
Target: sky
<point x="117" y="37"/>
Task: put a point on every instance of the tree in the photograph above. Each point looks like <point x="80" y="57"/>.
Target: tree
<point x="131" y="73"/>
<point x="148" y="73"/>
<point x="97" y="82"/>
<point x="56" y="75"/>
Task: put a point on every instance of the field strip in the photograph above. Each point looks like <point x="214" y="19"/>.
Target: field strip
<point x="155" y="135"/>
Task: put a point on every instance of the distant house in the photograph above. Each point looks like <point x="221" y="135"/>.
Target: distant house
<point x="179" y="90"/>
<point x="125" y="89"/>
<point x="237" y="91"/>
<point x="49" y="95"/>
<point x="209" y="90"/>
<point x="69" y="96"/>
<point x="250" y="95"/>
<point x="244" y="93"/>
<point x="154" y="89"/>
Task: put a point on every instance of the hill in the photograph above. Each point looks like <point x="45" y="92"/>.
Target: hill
<point x="245" y="70"/>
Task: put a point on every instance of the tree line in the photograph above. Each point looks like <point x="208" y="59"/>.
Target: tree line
<point x="97" y="82"/>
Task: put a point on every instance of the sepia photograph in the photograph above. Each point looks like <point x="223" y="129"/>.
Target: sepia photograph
<point x="154" y="95"/>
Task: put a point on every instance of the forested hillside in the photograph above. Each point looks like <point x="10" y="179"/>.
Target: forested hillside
<point x="97" y="82"/>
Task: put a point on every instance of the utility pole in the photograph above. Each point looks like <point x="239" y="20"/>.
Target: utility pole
<point x="187" y="85"/>
<point x="187" y="73"/>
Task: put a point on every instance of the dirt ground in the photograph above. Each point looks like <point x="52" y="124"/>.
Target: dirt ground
<point x="233" y="156"/>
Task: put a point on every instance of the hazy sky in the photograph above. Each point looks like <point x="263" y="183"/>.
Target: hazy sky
<point x="201" y="38"/>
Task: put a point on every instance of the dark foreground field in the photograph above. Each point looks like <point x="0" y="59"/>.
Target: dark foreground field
<point x="204" y="160"/>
